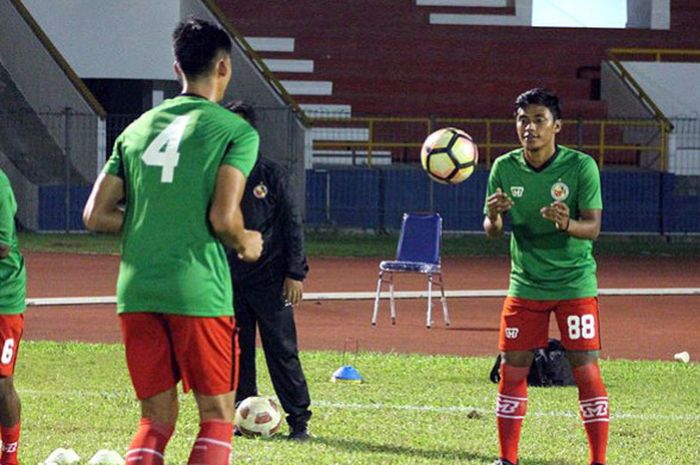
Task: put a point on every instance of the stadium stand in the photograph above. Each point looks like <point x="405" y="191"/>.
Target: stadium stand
<point x="388" y="59"/>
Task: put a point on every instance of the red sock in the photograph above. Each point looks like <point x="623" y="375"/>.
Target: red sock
<point x="213" y="443"/>
<point x="593" y="405"/>
<point x="10" y="444"/>
<point x="148" y="445"/>
<point x="511" y="406"/>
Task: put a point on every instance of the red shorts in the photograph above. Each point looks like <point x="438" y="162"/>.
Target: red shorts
<point x="525" y="323"/>
<point x="162" y="349"/>
<point x="11" y="329"/>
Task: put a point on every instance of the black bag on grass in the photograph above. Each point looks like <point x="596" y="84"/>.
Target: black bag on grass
<point x="550" y="367"/>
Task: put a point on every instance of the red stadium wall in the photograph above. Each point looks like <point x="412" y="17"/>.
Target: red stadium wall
<point x="385" y="58"/>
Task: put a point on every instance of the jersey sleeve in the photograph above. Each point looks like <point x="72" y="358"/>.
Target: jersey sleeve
<point x="7" y="214"/>
<point x="243" y="151"/>
<point x="590" y="197"/>
<point x="494" y="183"/>
<point x="115" y="164"/>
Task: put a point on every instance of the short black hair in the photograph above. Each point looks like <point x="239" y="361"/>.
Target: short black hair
<point x="196" y="43"/>
<point x="245" y="110"/>
<point x="539" y="96"/>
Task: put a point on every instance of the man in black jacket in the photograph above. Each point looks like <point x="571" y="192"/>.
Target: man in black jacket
<point x="265" y="292"/>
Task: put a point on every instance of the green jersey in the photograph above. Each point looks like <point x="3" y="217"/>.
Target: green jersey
<point x="169" y="158"/>
<point x="547" y="264"/>
<point x="13" y="275"/>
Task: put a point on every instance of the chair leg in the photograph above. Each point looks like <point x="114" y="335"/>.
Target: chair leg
<point x="376" y="298"/>
<point x="443" y="299"/>
<point x="392" y="302"/>
<point x="429" y="317"/>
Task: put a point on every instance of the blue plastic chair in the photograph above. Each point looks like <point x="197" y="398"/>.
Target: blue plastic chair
<point x="418" y="251"/>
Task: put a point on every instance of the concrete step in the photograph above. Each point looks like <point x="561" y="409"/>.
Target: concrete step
<point x="271" y="44"/>
<point x="295" y="87"/>
<point x="289" y="66"/>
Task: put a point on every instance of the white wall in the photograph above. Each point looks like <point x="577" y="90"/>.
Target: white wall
<point x="672" y="86"/>
<point x="128" y="39"/>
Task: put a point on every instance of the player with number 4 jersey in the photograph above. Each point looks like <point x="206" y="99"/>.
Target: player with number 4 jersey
<point x="552" y="196"/>
<point x="171" y="261"/>
<point x="180" y="170"/>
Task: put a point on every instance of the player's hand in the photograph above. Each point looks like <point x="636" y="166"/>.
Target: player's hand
<point x="251" y="246"/>
<point x="498" y="203"/>
<point x="293" y="291"/>
<point x="558" y="213"/>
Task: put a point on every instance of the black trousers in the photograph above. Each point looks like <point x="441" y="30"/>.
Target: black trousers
<point x="265" y="307"/>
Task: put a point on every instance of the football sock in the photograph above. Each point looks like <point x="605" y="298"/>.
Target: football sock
<point x="593" y="407"/>
<point x="10" y="444"/>
<point x="148" y="445"/>
<point x="511" y="405"/>
<point x="213" y="443"/>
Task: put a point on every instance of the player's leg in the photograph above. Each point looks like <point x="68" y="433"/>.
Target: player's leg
<point x="11" y="328"/>
<point x="246" y="324"/>
<point x="279" y="340"/>
<point x="150" y="360"/>
<point x="207" y="355"/>
<point x="579" y="325"/>
<point x="524" y="325"/>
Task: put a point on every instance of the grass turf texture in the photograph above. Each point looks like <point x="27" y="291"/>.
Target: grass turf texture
<point x="381" y="245"/>
<point x="414" y="409"/>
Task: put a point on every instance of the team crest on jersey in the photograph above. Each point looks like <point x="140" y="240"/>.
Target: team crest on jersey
<point x="260" y="191"/>
<point x="559" y="191"/>
<point x="512" y="333"/>
<point x="517" y="191"/>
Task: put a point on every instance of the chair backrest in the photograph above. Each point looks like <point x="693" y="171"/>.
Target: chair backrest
<point x="420" y="238"/>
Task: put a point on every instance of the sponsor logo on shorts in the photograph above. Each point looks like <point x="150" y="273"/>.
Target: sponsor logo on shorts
<point x="559" y="191"/>
<point x="512" y="333"/>
<point x="517" y="191"/>
<point x="260" y="191"/>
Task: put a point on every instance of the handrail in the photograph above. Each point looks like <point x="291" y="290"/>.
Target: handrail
<point x="487" y="143"/>
<point x="627" y="78"/>
<point x="255" y="58"/>
<point x="657" y="52"/>
<point x="58" y="58"/>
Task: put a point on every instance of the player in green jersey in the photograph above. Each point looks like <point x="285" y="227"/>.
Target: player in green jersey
<point x="13" y="285"/>
<point x="552" y="196"/>
<point x="181" y="170"/>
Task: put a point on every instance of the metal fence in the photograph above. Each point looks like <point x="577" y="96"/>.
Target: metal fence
<point x="364" y="173"/>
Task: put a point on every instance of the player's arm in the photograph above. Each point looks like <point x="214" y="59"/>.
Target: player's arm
<point x="586" y="226"/>
<point x="290" y="222"/>
<point x="226" y="216"/>
<point x="102" y="212"/>
<point x="7" y="222"/>
<point x="497" y="204"/>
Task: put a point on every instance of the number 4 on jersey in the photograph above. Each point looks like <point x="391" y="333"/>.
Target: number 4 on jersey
<point x="163" y="150"/>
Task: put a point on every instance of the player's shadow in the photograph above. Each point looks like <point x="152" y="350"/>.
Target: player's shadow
<point x="404" y="451"/>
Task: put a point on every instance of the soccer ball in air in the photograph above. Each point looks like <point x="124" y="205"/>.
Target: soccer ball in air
<point x="449" y="155"/>
<point x="258" y="416"/>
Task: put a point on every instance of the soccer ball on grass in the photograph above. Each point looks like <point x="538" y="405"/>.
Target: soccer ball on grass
<point x="258" y="416"/>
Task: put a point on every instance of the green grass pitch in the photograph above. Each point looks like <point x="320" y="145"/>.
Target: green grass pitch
<point x="413" y="409"/>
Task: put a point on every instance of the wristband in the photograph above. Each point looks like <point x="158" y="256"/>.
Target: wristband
<point x="568" y="223"/>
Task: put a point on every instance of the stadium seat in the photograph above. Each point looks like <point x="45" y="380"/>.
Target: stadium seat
<point x="418" y="251"/>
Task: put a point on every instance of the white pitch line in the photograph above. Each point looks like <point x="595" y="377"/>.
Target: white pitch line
<point x="483" y="411"/>
<point x="663" y="291"/>
<point x="119" y="394"/>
